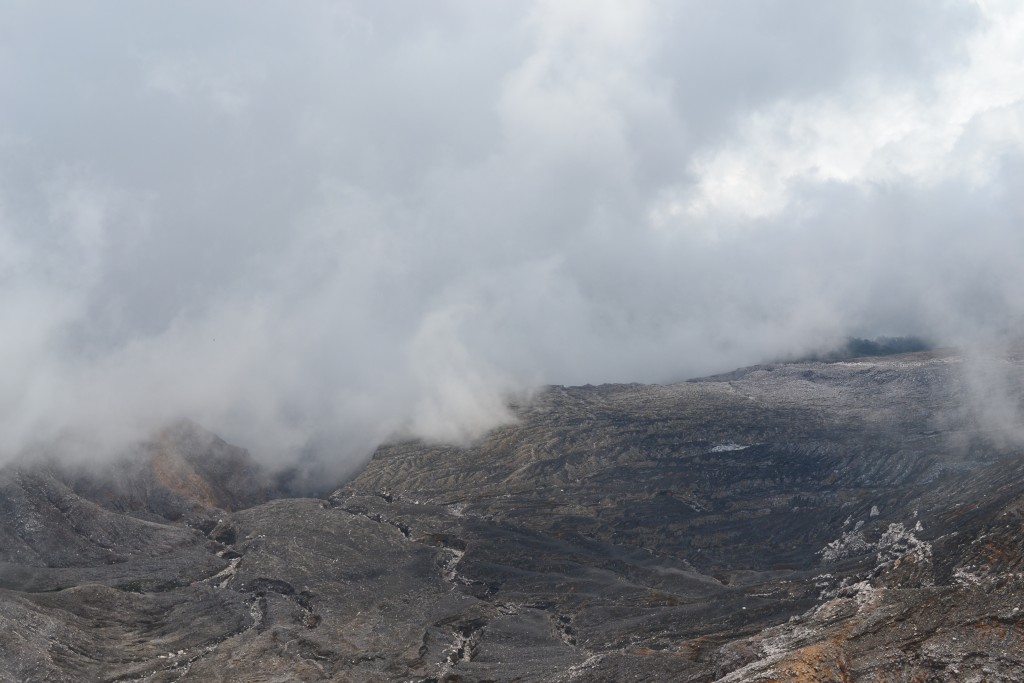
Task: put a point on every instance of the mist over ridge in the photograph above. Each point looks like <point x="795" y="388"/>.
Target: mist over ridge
<point x="313" y="228"/>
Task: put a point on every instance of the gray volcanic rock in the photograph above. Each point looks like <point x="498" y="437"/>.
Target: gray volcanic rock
<point x="184" y="473"/>
<point x="52" y="539"/>
<point x="843" y="521"/>
<point x="751" y="472"/>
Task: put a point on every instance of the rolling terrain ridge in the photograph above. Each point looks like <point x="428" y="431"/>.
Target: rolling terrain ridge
<point x="810" y="521"/>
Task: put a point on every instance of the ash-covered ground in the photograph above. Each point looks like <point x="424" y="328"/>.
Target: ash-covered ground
<point x="857" y="520"/>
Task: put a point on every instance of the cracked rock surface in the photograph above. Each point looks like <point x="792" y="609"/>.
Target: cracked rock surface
<point x="843" y="521"/>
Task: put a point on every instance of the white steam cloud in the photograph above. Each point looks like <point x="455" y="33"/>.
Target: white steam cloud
<point x="314" y="225"/>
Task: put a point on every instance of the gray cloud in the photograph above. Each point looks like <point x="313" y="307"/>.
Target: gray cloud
<point x="319" y="225"/>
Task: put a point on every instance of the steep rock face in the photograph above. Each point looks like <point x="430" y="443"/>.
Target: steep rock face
<point x="855" y="520"/>
<point x="94" y="577"/>
<point x="788" y="484"/>
<point x="182" y="474"/>
<point x="51" y="539"/>
<point x="753" y="471"/>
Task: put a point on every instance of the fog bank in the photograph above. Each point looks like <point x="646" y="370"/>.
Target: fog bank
<point x="312" y="226"/>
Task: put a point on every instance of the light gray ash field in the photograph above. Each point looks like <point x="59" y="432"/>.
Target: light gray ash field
<point x="810" y="521"/>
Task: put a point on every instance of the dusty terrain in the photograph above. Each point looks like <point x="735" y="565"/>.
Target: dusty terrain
<point x="856" y="520"/>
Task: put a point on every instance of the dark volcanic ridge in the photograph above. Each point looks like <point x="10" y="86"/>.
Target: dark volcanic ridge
<point x="812" y="521"/>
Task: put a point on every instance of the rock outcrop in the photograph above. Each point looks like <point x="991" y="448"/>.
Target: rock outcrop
<point x="843" y="521"/>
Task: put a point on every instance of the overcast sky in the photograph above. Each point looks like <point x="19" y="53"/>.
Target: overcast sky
<point x="327" y="222"/>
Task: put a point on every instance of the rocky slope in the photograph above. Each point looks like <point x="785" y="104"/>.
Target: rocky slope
<point x="842" y="521"/>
